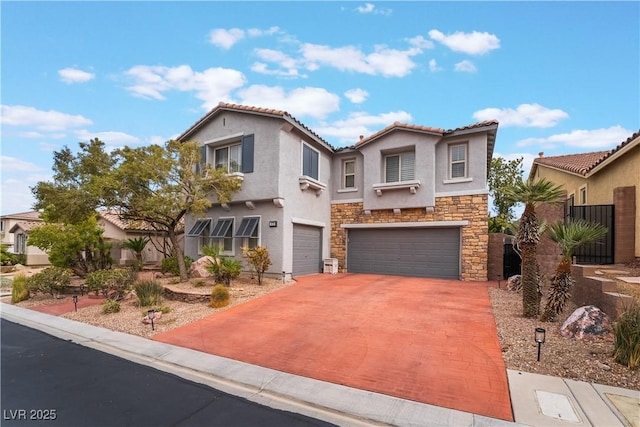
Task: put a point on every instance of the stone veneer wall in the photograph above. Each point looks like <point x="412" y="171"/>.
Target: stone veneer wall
<point x="475" y="236"/>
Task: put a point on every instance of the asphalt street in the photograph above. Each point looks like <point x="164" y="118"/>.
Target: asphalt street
<point x="47" y="381"/>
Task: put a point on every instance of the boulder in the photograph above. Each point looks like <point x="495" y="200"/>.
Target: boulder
<point x="514" y="283"/>
<point x="156" y="317"/>
<point x="586" y="322"/>
<point x="199" y="267"/>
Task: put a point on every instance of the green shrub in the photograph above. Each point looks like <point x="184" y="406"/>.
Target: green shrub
<point x="110" y="306"/>
<point x="149" y="292"/>
<point x="224" y="269"/>
<point x="112" y="283"/>
<point x="199" y="283"/>
<point x="51" y="280"/>
<point x="258" y="258"/>
<point x="219" y="296"/>
<point x="627" y="338"/>
<point x="170" y="265"/>
<point x="8" y="258"/>
<point x="20" y="289"/>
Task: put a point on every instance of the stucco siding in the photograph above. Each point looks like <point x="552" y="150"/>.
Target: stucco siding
<point x="476" y="179"/>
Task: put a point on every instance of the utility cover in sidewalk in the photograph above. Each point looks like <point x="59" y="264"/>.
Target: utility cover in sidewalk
<point x="557" y="406"/>
<point x="628" y="407"/>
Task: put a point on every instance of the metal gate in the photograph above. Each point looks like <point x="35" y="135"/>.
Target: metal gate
<point x="511" y="261"/>
<point x="601" y="251"/>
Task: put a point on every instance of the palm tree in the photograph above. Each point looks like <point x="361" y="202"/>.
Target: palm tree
<point x="137" y="245"/>
<point x="531" y="193"/>
<point x="569" y="236"/>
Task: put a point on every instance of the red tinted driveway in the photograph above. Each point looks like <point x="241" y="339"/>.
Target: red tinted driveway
<point x="428" y="340"/>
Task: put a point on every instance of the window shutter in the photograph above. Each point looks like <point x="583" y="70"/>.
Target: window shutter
<point x="247" y="153"/>
<point x="392" y="168"/>
<point x="408" y="166"/>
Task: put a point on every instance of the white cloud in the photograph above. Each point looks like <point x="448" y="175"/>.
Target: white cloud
<point x="371" y="8"/>
<point x="585" y="140"/>
<point x="110" y="138"/>
<point x="348" y="131"/>
<point x="74" y="75"/>
<point x="466" y="66"/>
<point x="433" y="66"/>
<point x="385" y="61"/>
<point x="288" y="64"/>
<point x="525" y="115"/>
<point x="420" y="42"/>
<point x="225" y="38"/>
<point x="51" y="120"/>
<point x="475" y="43"/>
<point x="13" y="164"/>
<point x="308" y="101"/>
<point x="357" y="96"/>
<point x="211" y="85"/>
<point x="256" y="32"/>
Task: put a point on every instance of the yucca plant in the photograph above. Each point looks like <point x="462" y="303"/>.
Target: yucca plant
<point x="149" y="292"/>
<point x="627" y="338"/>
<point x="569" y="236"/>
<point x="137" y="246"/>
<point x="20" y="289"/>
<point x="531" y="193"/>
<point x="224" y="269"/>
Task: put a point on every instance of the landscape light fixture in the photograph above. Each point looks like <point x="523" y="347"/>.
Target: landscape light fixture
<point x="75" y="302"/>
<point x="540" y="333"/>
<point x="283" y="276"/>
<point x="151" y="314"/>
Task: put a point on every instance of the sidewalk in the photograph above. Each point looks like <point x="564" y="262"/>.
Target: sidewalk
<point x="537" y="400"/>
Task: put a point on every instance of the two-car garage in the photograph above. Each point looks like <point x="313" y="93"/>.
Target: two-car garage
<point x="419" y="252"/>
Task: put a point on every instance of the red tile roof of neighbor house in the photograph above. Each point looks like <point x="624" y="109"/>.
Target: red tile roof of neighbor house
<point x="25" y="225"/>
<point x="583" y="163"/>
<point x="116" y="219"/>
<point x="23" y="215"/>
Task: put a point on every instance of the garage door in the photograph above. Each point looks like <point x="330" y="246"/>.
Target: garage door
<point x="418" y="252"/>
<point x="307" y="249"/>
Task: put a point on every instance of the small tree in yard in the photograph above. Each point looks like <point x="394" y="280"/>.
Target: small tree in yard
<point x="531" y="193"/>
<point x="258" y="258"/>
<point x="569" y="236"/>
<point x="137" y="246"/>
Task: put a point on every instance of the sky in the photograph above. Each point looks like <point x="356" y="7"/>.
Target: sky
<point x="560" y="77"/>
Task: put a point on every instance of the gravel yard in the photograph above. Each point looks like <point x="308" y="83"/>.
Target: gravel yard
<point x="589" y="361"/>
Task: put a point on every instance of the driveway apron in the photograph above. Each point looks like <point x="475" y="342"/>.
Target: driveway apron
<point x="428" y="340"/>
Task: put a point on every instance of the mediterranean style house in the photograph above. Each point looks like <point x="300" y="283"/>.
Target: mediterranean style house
<point x="16" y="228"/>
<point x="407" y="200"/>
<point x="603" y="186"/>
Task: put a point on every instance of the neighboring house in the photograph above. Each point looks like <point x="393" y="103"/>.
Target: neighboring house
<point x="116" y="232"/>
<point x="408" y="200"/>
<point x="15" y="231"/>
<point x="597" y="180"/>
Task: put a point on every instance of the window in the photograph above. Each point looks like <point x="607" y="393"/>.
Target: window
<point x="229" y="158"/>
<point x="21" y="243"/>
<point x="2" y="225"/>
<point x="458" y="161"/>
<point x="223" y="232"/>
<point x="400" y="167"/>
<point x="249" y="231"/>
<point x="349" y="174"/>
<point x="583" y="195"/>
<point x="201" y="229"/>
<point x="310" y="161"/>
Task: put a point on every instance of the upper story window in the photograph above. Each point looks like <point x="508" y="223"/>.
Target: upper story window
<point x="458" y="161"/>
<point x="229" y="158"/>
<point x="223" y="233"/>
<point x="1" y="225"/>
<point x="348" y="174"/>
<point x="400" y="167"/>
<point x="310" y="158"/>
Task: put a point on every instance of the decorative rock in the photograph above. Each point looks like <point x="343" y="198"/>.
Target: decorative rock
<point x="514" y="283"/>
<point x="158" y="316"/>
<point x="586" y="322"/>
<point x="199" y="267"/>
<point x="603" y="366"/>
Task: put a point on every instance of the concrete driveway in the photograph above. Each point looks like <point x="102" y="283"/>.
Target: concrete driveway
<point x="428" y="340"/>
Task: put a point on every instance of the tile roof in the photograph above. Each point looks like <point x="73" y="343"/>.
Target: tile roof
<point x="116" y="219"/>
<point x="583" y="163"/>
<point x="24" y="215"/>
<point x="427" y="129"/>
<point x="250" y="109"/>
<point x="25" y="225"/>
